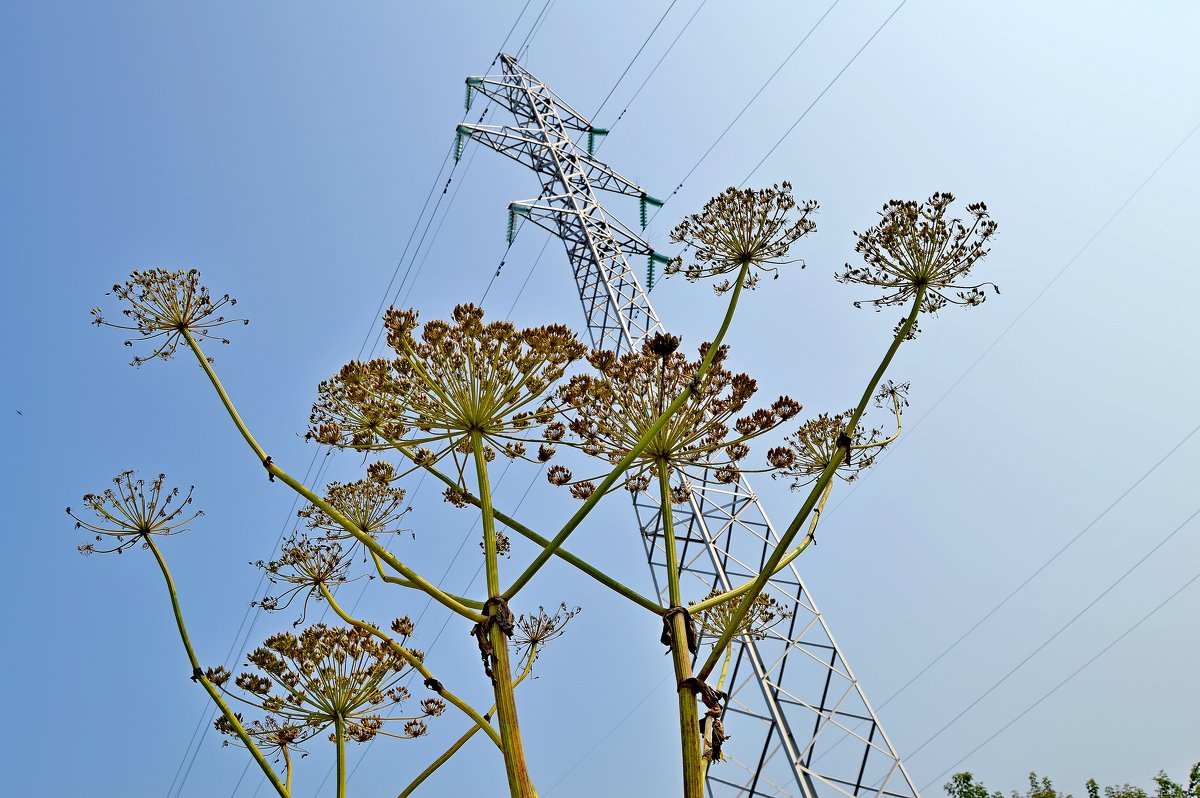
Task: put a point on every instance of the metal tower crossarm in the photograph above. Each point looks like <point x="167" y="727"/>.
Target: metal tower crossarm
<point x="801" y="723"/>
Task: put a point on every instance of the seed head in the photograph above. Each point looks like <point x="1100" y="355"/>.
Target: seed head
<point x="764" y="614"/>
<point x="542" y="627"/>
<point x="372" y="504"/>
<point x="808" y="450"/>
<point x="308" y="680"/>
<point x="162" y="305"/>
<point x="131" y="511"/>
<point x="743" y="226"/>
<point x="611" y="411"/>
<point x="919" y="246"/>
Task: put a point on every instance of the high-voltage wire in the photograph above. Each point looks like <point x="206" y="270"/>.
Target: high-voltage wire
<point x="629" y="66"/>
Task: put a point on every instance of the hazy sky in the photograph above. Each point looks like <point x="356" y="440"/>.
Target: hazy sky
<point x="286" y="150"/>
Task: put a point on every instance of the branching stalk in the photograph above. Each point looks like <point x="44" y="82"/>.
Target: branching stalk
<point x="366" y="539"/>
<point x="637" y="449"/>
<point x="772" y="563"/>
<point x="284" y="790"/>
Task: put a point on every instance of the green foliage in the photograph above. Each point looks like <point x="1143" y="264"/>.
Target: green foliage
<point x="964" y="785"/>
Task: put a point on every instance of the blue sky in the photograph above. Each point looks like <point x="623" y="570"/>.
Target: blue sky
<point x="286" y="150"/>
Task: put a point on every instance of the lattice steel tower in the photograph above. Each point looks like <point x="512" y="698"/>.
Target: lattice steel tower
<point x="800" y="722"/>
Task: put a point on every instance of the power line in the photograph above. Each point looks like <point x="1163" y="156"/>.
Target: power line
<point x="1054" y="636"/>
<point x="629" y="66"/>
<point x="828" y="86"/>
<point x="1073" y="674"/>
<point x="654" y="69"/>
<point x="755" y="96"/>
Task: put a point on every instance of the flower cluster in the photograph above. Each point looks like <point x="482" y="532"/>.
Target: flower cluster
<point x="611" y="412"/>
<point x="451" y="380"/>
<point x="809" y="450"/>
<point x="764" y="614"/>
<point x="308" y="681"/>
<point x="162" y="305"/>
<point x="918" y="247"/>
<point x="371" y="504"/>
<point x="131" y="511"/>
<point x="542" y="627"/>
<point x="743" y="227"/>
<point x="304" y="566"/>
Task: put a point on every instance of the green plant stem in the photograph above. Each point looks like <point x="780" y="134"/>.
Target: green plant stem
<point x="637" y="449"/>
<point x="461" y="741"/>
<point x="529" y="534"/>
<point x="198" y="674"/>
<point x="785" y="540"/>
<point x="784" y="562"/>
<point x="339" y="739"/>
<point x="287" y="763"/>
<point x="681" y="657"/>
<point x="515" y="767"/>
<point x="363" y="537"/>
<point x="402" y="582"/>
<point x="413" y="661"/>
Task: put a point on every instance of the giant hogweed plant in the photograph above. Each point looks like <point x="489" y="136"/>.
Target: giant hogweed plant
<point x="454" y="395"/>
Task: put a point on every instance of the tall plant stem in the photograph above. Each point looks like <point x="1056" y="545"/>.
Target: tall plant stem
<point x="525" y="532"/>
<point x="519" y="784"/>
<point x="650" y="434"/>
<point x="339" y="739"/>
<point x="209" y="687"/>
<point x="274" y="470"/>
<point x="785" y="540"/>
<point x="681" y="657"/>
<point x="708" y="727"/>
<point x="461" y="741"/>
<point x="416" y="664"/>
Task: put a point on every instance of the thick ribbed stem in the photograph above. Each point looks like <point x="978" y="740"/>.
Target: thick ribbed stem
<point x="515" y="768"/>
<point x="339" y="739"/>
<point x="681" y="658"/>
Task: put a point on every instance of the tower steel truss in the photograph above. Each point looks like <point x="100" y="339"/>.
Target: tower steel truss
<point x="799" y="721"/>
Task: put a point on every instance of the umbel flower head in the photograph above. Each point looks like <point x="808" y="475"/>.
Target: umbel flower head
<point x="309" y="680"/>
<point x="810" y="449"/>
<point x="269" y="735"/>
<point x="454" y="378"/>
<point x="164" y="303"/>
<point x="918" y="246"/>
<point x="743" y="226"/>
<point x="372" y="504"/>
<point x="304" y="566"/>
<point x="542" y="627"/>
<point x="610" y="412"/>
<point x="131" y="511"/>
<point x="765" y="613"/>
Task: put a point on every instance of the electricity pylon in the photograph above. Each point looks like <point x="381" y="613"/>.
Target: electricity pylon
<point x="799" y="721"/>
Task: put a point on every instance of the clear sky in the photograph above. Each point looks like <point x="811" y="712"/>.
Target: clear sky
<point x="286" y="149"/>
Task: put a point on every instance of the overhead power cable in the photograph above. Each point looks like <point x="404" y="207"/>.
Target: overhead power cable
<point x="1137" y="625"/>
<point x="629" y="66"/>
<point x="1056" y="634"/>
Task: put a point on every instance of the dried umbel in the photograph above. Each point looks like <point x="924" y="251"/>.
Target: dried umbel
<point x="611" y="412"/>
<point x="810" y="449"/>
<point x="305" y="566"/>
<point x="371" y="504"/>
<point x="455" y="378"/>
<point x="764" y="614"/>
<point x="535" y="630"/>
<point x="269" y="735"/>
<point x="162" y="304"/>
<point x="743" y="226"/>
<point x="325" y="674"/>
<point x="131" y="511"/>
<point x="919" y="247"/>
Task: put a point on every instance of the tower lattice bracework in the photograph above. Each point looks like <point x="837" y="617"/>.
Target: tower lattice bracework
<point x="799" y="721"/>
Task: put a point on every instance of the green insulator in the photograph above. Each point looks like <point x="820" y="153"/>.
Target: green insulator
<point x="650" y="275"/>
<point x="460" y="143"/>
<point x="642" y="211"/>
<point x="512" y="225"/>
<point x="469" y="95"/>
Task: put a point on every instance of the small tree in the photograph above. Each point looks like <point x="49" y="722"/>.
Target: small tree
<point x="456" y="394"/>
